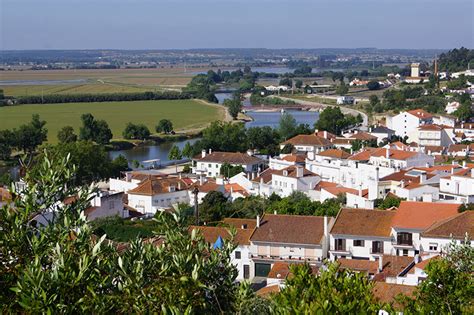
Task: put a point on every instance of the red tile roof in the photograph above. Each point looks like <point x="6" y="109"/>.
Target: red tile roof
<point x="237" y="222"/>
<point x="212" y="233"/>
<point x="297" y="158"/>
<point x="309" y="140"/>
<point x="335" y="153"/>
<point x="420" y="113"/>
<point x="229" y="157"/>
<point x="421" y="215"/>
<point x="266" y="176"/>
<point x="387" y="292"/>
<point x="153" y="186"/>
<point x="453" y="227"/>
<point x="290" y="229"/>
<point x="363" y="222"/>
<point x="360" y="265"/>
<point x="291" y="171"/>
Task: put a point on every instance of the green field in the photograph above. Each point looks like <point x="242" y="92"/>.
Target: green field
<point x="185" y="114"/>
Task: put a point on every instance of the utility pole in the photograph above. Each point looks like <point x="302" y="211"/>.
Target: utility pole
<point x="196" y="206"/>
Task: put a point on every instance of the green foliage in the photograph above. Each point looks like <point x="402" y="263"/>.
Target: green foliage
<point x="227" y="170"/>
<point x="214" y="207"/>
<point x="248" y="303"/>
<point x="287" y="126"/>
<point x="449" y="286"/>
<point x="7" y="142"/>
<point x="298" y="84"/>
<point x="64" y="268"/>
<point x="201" y="86"/>
<point x="263" y="138"/>
<point x="456" y="59"/>
<point x="164" y="126"/>
<point x="465" y="207"/>
<point x="121" y="230"/>
<point x="187" y="150"/>
<point x="333" y="120"/>
<point x="66" y="134"/>
<point x="257" y="99"/>
<point x="234" y="106"/>
<point x="286" y="81"/>
<point x="300" y="204"/>
<point x="333" y="291"/>
<point x="287" y="149"/>
<point x="94" y="130"/>
<point x="28" y="137"/>
<point x="223" y="136"/>
<point x="342" y="89"/>
<point x="389" y="202"/>
<point x="373" y="85"/>
<point x="133" y="131"/>
<point x="91" y="161"/>
<point x="464" y="111"/>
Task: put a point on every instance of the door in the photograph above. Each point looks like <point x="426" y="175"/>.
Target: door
<point x="246" y="271"/>
<point x="262" y="270"/>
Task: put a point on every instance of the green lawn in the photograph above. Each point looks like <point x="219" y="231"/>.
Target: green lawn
<point x="185" y="114"/>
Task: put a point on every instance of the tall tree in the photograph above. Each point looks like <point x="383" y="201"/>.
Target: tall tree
<point x="94" y="130"/>
<point x="234" y="106"/>
<point x="30" y="136"/>
<point x="133" y="131"/>
<point x="175" y="154"/>
<point x="66" y="134"/>
<point x="287" y="126"/>
<point x="164" y="126"/>
<point x="187" y="150"/>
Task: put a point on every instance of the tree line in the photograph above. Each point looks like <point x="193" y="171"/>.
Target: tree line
<point x="105" y="97"/>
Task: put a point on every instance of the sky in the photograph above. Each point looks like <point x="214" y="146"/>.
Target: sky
<point x="183" y="24"/>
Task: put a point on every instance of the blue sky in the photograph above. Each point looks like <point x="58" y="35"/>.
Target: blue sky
<point x="166" y="24"/>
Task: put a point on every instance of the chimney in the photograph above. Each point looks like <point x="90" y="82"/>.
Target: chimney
<point x="352" y="151"/>
<point x="402" y="183"/>
<point x="387" y="153"/>
<point x="210" y="151"/>
<point x="472" y="172"/>
<point x="253" y="175"/>
<point x="360" y="190"/>
<point x="326" y="231"/>
<point x="201" y="180"/>
<point x="380" y="263"/>
<point x="429" y="153"/>
<point x="179" y="185"/>
<point x="179" y="175"/>
<point x="316" y="131"/>
<point x="423" y="178"/>
<point x="464" y="164"/>
<point x="244" y="226"/>
<point x="249" y="152"/>
<point x="452" y="170"/>
<point x="377" y="174"/>
<point x="299" y="171"/>
<point x="325" y="134"/>
<point x="261" y="180"/>
<point x="275" y="212"/>
<point x="203" y="153"/>
<point x="258" y="220"/>
<point x="462" y="126"/>
<point x="370" y="129"/>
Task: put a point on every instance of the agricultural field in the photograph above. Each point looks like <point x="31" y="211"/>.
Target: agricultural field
<point x="185" y="114"/>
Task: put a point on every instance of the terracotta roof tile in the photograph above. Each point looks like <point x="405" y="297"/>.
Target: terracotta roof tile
<point x="237" y="223"/>
<point x="363" y="222"/>
<point x="421" y="215"/>
<point x="454" y="227"/>
<point x="335" y="153"/>
<point x="212" y="233"/>
<point x="360" y="265"/>
<point x="153" y="186"/>
<point x="290" y="229"/>
<point x="281" y="270"/>
<point x="268" y="290"/>
<point x="297" y="158"/>
<point x="420" y="113"/>
<point x="291" y="171"/>
<point x="362" y="136"/>
<point x="324" y="184"/>
<point x="266" y="176"/>
<point x="229" y="157"/>
<point x="387" y="292"/>
<point x="310" y="140"/>
<point x="458" y="148"/>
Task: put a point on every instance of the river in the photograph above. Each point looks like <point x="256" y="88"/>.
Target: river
<point x="260" y="118"/>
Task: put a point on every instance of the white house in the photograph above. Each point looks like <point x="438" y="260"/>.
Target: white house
<point x="412" y="218"/>
<point x="451" y="107"/>
<point x="308" y="143"/>
<point x="458" y="187"/>
<point x="345" y="100"/>
<point x="361" y="234"/>
<point x="106" y="204"/>
<point x="285" y="160"/>
<point x="288" y="238"/>
<point x="155" y="194"/>
<point x="209" y="164"/>
<point x="432" y="135"/>
<point x="240" y="257"/>
<point x="382" y="133"/>
<point x="406" y="122"/>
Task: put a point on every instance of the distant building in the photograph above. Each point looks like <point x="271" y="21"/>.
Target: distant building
<point x="345" y="100"/>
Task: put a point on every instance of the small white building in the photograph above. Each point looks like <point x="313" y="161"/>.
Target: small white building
<point x="286" y="160"/>
<point x="458" y="187"/>
<point x="345" y="100"/>
<point x="382" y="133"/>
<point x="106" y="204"/>
<point x="209" y="164"/>
<point x="308" y="143"/>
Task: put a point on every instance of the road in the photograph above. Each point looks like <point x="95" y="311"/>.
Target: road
<point x="344" y="110"/>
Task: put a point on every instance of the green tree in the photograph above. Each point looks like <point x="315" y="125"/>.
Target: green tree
<point x="342" y="89"/>
<point x="91" y="161"/>
<point x="333" y="120"/>
<point x="103" y="132"/>
<point x="133" y="131"/>
<point x="187" y="150"/>
<point x="64" y="268"/>
<point x="234" y="106"/>
<point x="389" y="202"/>
<point x="66" y="134"/>
<point x="214" y="207"/>
<point x="287" y="148"/>
<point x="286" y="126"/>
<point x="449" y="286"/>
<point x="28" y="137"/>
<point x="7" y="141"/>
<point x="94" y="130"/>
<point x="298" y="84"/>
<point x="164" y="126"/>
<point x="286" y="81"/>
<point x="373" y="85"/>
<point x="175" y="154"/>
<point x="464" y="111"/>
<point x="227" y="170"/>
<point x="333" y="291"/>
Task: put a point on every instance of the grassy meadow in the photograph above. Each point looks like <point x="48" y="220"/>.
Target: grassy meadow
<point x="185" y="114"/>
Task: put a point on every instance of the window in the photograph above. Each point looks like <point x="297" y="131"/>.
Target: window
<point x="237" y="255"/>
<point x="209" y="165"/>
<point x="359" y="243"/>
<point x="404" y="238"/>
<point x="377" y="247"/>
<point x="405" y="252"/>
<point x="433" y="246"/>
<point x="340" y="244"/>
